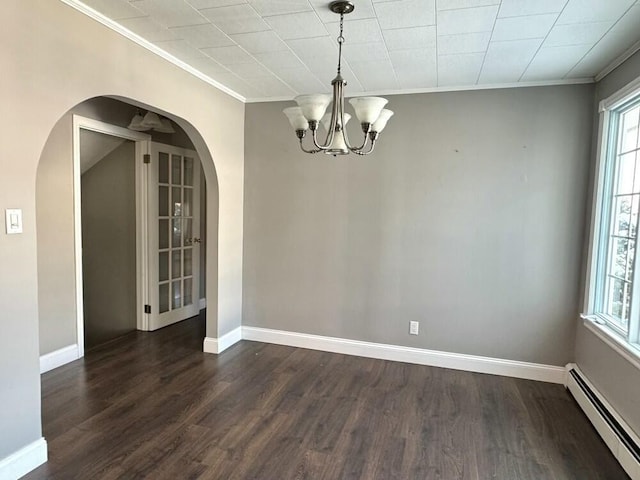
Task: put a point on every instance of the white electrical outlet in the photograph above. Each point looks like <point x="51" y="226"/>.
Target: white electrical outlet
<point x="414" y="328"/>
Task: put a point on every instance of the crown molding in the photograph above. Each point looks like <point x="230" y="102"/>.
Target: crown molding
<point x="116" y="27"/>
<point x="618" y="61"/>
<point x="461" y="88"/>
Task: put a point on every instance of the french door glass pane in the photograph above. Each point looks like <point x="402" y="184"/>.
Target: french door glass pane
<point x="187" y="291"/>
<point x="188" y="171"/>
<point x="163" y="267"/>
<point x="176" y="237"/>
<point x="163" y="167"/>
<point x="188" y="230"/>
<point x="177" y="295"/>
<point x="176" y="201"/>
<point x="163" y="201"/>
<point x="176" y="271"/>
<point x="176" y="169"/>
<point x="163" y="292"/>
<point x="187" y="262"/>
<point x="187" y="202"/>
<point x="163" y="233"/>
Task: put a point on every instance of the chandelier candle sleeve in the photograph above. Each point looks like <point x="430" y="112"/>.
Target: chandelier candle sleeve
<point x="311" y="109"/>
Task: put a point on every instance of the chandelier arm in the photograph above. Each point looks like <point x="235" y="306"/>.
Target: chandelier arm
<point x="343" y="123"/>
<point x="366" y="129"/>
<point x="373" y="136"/>
<point x="344" y="131"/>
<point x="337" y="92"/>
<point x="341" y="113"/>
<point x="307" y="151"/>
<point x="361" y="147"/>
<point x="335" y="106"/>
<point x="314" y="137"/>
<point x="371" y="147"/>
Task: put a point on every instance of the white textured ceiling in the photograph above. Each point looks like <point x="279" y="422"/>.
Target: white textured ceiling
<point x="273" y="49"/>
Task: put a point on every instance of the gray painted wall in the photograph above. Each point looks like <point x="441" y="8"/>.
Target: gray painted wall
<point x="468" y="218"/>
<point x="54" y="217"/>
<point x="611" y="373"/>
<point x="109" y="246"/>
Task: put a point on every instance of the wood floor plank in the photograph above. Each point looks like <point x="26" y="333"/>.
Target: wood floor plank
<point x="152" y="405"/>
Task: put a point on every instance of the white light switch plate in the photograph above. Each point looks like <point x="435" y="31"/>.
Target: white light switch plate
<point x="14" y="220"/>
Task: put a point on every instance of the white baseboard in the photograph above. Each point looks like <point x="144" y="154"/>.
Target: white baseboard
<point x="203" y="303"/>
<point x="24" y="460"/>
<point x="58" y="358"/>
<point x="630" y="464"/>
<point x="434" y="358"/>
<point x="220" y="344"/>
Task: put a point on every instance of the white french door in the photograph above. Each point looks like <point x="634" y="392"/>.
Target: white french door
<point x="173" y="235"/>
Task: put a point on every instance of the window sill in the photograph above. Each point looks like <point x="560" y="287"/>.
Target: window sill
<point x="631" y="352"/>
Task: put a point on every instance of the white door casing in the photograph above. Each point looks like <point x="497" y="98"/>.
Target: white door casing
<point x="142" y="141"/>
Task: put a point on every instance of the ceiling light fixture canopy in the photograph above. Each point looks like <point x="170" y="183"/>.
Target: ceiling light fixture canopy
<point x="311" y="110"/>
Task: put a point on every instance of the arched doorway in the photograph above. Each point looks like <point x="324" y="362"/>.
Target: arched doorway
<point x="49" y="74"/>
<point x="58" y="236"/>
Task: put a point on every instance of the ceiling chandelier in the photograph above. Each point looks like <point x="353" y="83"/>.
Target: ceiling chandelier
<point x="311" y="110"/>
<point x="150" y="121"/>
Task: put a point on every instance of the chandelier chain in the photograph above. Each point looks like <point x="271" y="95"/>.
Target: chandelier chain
<point x="340" y="42"/>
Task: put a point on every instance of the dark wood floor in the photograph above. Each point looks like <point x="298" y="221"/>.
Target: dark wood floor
<point x="152" y="405"/>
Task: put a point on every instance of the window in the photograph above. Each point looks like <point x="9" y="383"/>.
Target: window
<point x="614" y="293"/>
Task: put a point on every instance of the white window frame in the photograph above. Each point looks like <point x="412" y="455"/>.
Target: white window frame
<point x="628" y="341"/>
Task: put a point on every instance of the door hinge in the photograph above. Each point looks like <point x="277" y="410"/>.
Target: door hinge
<point x="147" y="158"/>
<point x="147" y="309"/>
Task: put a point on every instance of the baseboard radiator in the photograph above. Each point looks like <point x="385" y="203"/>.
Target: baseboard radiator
<point x="618" y="436"/>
